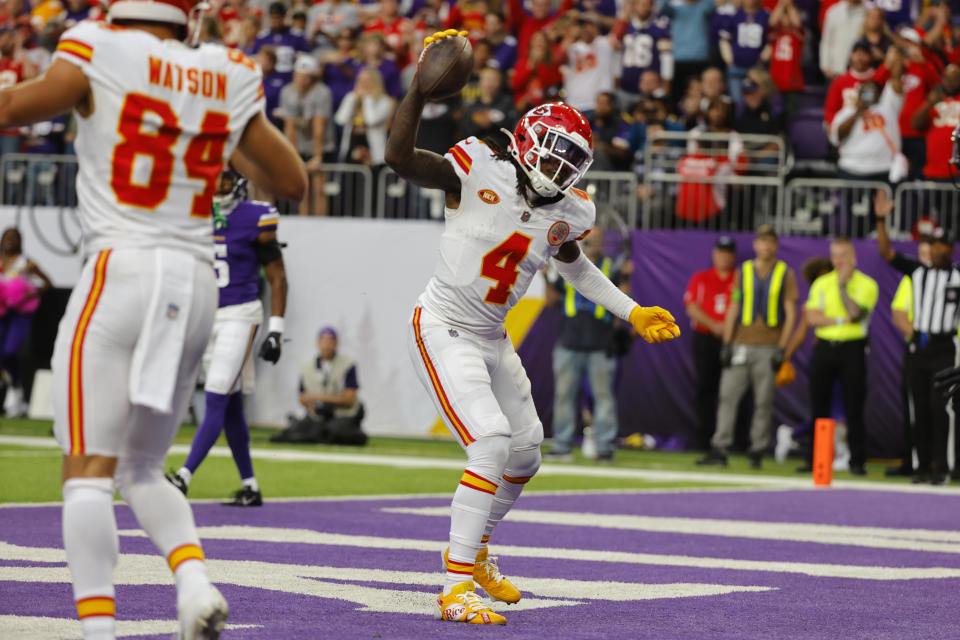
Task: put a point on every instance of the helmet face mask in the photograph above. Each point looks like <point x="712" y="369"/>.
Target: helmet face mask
<point x="552" y="144"/>
<point x="231" y="190"/>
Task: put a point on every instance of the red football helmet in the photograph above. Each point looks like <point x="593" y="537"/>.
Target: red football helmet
<point x="182" y="12"/>
<point x="553" y="144"/>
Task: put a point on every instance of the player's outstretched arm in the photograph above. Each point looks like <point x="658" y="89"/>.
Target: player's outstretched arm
<point x="652" y="323"/>
<point x="268" y="160"/>
<point x="268" y="253"/>
<point x="421" y="167"/>
<point x="60" y="88"/>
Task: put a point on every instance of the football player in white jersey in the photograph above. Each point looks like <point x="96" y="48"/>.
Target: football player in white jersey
<point x="507" y="212"/>
<point x="157" y="119"/>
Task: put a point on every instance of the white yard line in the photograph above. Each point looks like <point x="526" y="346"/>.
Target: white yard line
<point x="650" y="475"/>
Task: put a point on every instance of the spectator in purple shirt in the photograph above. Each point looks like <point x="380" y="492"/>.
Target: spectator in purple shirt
<point x="503" y="46"/>
<point x="372" y="52"/>
<point x="611" y="135"/>
<point x="339" y="67"/>
<point x="743" y="43"/>
<point x="286" y="43"/>
<point x="76" y="11"/>
<point x="273" y="84"/>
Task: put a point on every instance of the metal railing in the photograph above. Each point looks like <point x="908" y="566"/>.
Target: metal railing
<point x="712" y="181"/>
<point x="822" y="206"/>
<point x="921" y="204"/>
<point x="688" y="182"/>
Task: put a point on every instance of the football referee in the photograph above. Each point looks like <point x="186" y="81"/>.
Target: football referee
<point x="936" y="293"/>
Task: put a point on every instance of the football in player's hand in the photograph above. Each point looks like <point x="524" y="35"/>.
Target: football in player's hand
<point x="445" y="66"/>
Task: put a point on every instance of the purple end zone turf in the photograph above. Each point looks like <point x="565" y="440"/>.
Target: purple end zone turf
<point x="794" y="606"/>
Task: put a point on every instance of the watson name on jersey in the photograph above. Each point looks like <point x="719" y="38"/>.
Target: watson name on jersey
<point x="164" y="117"/>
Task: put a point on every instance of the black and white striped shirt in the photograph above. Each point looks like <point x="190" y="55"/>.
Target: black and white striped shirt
<point x="936" y="296"/>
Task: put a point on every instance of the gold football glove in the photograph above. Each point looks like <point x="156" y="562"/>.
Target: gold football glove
<point x="786" y="374"/>
<point x="440" y="35"/>
<point x="654" y="324"/>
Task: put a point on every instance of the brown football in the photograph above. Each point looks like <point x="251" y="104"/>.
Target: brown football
<point x="445" y="67"/>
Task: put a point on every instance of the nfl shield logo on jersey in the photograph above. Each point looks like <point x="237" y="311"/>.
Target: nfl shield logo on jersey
<point x="558" y="233"/>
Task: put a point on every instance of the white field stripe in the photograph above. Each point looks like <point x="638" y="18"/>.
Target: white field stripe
<point x="334" y="582"/>
<point x="33" y="627"/>
<point x="876" y="537"/>
<point x="821" y="570"/>
<point x="549" y="469"/>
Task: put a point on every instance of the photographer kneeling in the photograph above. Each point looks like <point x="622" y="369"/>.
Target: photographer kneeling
<point x="328" y="391"/>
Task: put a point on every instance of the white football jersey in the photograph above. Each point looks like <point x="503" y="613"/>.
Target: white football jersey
<point x="495" y="243"/>
<point x="165" y="118"/>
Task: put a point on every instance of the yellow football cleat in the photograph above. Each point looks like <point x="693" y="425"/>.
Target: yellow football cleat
<point x="487" y="574"/>
<point x="463" y="604"/>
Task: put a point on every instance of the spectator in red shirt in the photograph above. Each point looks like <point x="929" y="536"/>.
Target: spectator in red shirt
<point x="394" y="29"/>
<point x="12" y="71"/>
<point x="787" y="54"/>
<point x="706" y="300"/>
<point x="537" y="78"/>
<point x="938" y="116"/>
<point x="919" y="78"/>
<point x="538" y="19"/>
<point x="468" y="15"/>
<point x="845" y="88"/>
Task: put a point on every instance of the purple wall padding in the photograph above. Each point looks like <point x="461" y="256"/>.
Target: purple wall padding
<point x="655" y="391"/>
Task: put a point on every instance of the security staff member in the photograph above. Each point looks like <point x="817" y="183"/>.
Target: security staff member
<point x="901" y="309"/>
<point x="936" y="300"/>
<point x="760" y="319"/>
<point x="839" y="308"/>
<point x="587" y="346"/>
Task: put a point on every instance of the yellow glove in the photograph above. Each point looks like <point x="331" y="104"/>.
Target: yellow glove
<point x="654" y="324"/>
<point x="786" y="374"/>
<point x="440" y="35"/>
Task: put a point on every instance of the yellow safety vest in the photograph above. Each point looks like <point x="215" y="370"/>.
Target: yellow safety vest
<point x="748" y="286"/>
<point x="570" y="304"/>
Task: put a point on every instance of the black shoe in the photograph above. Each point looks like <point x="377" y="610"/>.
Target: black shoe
<point x="805" y="468"/>
<point x="174" y="478"/>
<point x="939" y="479"/>
<point x="245" y="497"/>
<point x="755" y="460"/>
<point x="858" y="470"/>
<point x="604" y="458"/>
<point x="900" y="471"/>
<point x="714" y="457"/>
<point x="921" y="478"/>
<point x="955" y="474"/>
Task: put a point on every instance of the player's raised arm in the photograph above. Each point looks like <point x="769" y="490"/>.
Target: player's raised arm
<point x="421" y="167"/>
<point x="654" y="324"/>
<point x="60" y="88"/>
<point x="266" y="158"/>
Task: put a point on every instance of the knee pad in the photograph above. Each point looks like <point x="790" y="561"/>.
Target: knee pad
<point x="487" y="456"/>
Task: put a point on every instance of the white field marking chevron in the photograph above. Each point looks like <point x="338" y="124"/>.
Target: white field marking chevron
<point x="334" y="582"/>
<point x="33" y="627"/>
<point x="876" y="537"/>
<point x="550" y="469"/>
<point x="820" y="570"/>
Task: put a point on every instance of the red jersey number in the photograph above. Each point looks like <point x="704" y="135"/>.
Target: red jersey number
<point x="203" y="157"/>
<point x="501" y="264"/>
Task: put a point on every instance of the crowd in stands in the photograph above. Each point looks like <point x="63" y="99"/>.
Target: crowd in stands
<point x="882" y="80"/>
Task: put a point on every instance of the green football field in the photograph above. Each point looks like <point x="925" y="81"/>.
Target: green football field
<point x="30" y="468"/>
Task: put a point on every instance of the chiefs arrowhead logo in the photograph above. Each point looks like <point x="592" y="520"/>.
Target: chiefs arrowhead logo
<point x="490" y="197"/>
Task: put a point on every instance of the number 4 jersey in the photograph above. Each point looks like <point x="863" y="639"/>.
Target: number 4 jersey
<point x="165" y="118"/>
<point x="494" y="243"/>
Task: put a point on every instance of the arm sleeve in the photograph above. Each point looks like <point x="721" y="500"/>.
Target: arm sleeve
<point x="584" y="276"/>
<point x="903" y="264"/>
<point x="350" y="382"/>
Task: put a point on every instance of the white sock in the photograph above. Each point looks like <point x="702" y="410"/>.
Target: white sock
<point x="251" y="483"/>
<point x="468" y="517"/>
<point x="90" y="540"/>
<point x="186" y="475"/>
<point x="165" y="515"/>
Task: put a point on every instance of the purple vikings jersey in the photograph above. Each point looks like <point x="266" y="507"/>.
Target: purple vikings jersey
<point x="748" y="36"/>
<point x="238" y="270"/>
<point x="287" y="44"/>
<point x="640" y="51"/>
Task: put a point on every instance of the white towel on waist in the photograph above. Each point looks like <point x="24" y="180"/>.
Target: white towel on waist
<point x="156" y="357"/>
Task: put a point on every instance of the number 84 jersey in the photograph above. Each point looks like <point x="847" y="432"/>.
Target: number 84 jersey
<point x="164" y="118"/>
<point x="494" y="243"/>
